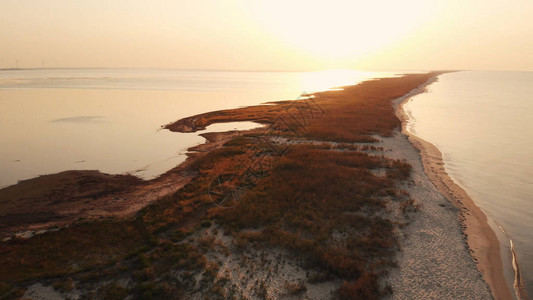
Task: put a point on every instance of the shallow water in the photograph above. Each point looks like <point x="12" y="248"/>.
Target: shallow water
<point x="482" y="124"/>
<point x="53" y="120"/>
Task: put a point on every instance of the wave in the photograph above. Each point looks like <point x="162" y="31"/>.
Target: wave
<point x="518" y="284"/>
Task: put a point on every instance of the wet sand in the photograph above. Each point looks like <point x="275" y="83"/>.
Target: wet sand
<point x="481" y="240"/>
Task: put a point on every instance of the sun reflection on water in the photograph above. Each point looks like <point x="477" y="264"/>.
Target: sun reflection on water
<point x="334" y="79"/>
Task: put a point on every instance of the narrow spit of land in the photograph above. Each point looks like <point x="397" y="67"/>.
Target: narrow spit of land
<point x="319" y="203"/>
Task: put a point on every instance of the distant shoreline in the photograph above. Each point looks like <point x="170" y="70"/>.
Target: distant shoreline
<point x="481" y="239"/>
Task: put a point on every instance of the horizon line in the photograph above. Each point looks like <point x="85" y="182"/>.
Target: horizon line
<point x="252" y="70"/>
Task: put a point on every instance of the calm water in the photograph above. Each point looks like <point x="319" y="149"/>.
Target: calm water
<point x="482" y="123"/>
<point x="109" y="119"/>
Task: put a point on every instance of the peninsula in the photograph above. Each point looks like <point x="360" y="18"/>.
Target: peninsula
<point x="329" y="199"/>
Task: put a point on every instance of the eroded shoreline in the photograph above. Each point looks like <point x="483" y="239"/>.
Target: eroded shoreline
<point x="480" y="238"/>
<point x="54" y="201"/>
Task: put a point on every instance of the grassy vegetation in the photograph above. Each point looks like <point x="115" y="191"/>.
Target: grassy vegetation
<point x="325" y="203"/>
<point x="325" y="206"/>
<point x="72" y="250"/>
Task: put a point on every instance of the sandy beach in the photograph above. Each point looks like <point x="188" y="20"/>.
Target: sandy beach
<point x="481" y="240"/>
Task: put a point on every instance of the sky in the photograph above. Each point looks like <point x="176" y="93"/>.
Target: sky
<point x="268" y="35"/>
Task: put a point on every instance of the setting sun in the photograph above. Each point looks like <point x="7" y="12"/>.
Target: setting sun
<point x="340" y="29"/>
<point x="268" y="35"/>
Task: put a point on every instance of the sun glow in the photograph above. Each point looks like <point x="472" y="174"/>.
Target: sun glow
<point x="331" y="79"/>
<point x="340" y="29"/>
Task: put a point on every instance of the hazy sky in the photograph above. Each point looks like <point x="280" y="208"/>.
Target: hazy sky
<point x="268" y="35"/>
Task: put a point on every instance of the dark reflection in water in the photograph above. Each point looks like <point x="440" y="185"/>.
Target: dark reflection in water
<point x="81" y="119"/>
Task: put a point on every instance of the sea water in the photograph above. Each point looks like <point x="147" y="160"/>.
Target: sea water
<point x="110" y="120"/>
<point x="482" y="122"/>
